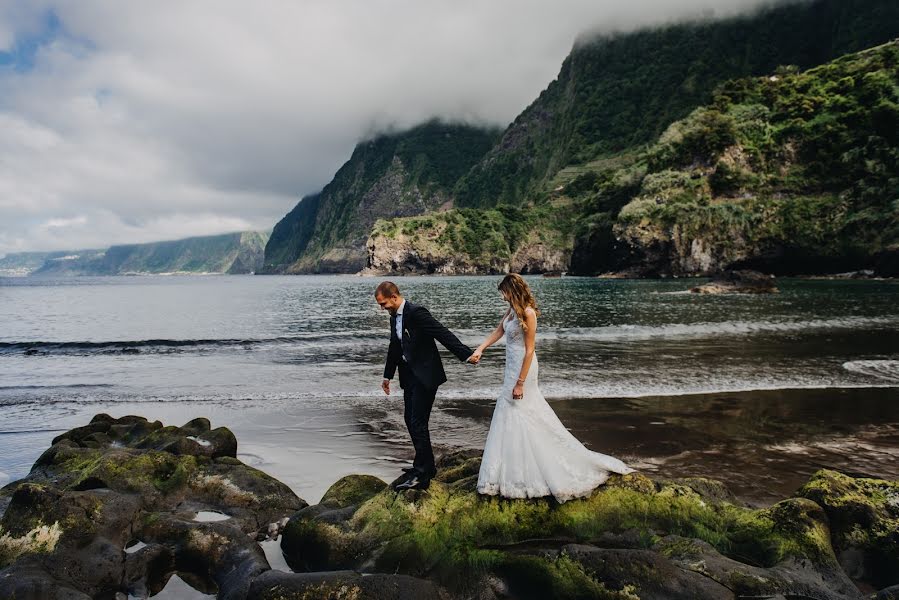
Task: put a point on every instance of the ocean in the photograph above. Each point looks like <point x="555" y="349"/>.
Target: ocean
<point x="757" y="390"/>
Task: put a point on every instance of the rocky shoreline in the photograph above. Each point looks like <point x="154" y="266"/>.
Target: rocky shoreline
<point x="116" y="508"/>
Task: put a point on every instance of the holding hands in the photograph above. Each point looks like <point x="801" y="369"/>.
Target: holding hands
<point x="475" y="357"/>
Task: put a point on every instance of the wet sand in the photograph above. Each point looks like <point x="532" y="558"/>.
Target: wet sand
<point x="762" y="444"/>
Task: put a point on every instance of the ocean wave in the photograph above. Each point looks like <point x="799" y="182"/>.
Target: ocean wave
<point x="4" y="388"/>
<point x="175" y="345"/>
<point x="883" y="369"/>
<point x="355" y="339"/>
<point x="710" y="329"/>
<point x="373" y="397"/>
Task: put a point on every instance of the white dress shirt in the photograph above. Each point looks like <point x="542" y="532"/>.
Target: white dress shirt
<point x="399" y="321"/>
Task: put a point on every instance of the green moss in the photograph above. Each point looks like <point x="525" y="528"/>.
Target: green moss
<point x="539" y="577"/>
<point x="40" y="539"/>
<point x="310" y="545"/>
<point x="352" y="489"/>
<point x="863" y="514"/>
<point x="678" y="547"/>
<point x="448" y="528"/>
<point x="132" y="471"/>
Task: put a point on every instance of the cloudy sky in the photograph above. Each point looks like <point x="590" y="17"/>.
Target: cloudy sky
<point x="149" y="120"/>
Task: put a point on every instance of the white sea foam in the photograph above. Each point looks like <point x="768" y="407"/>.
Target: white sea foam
<point x="883" y="369"/>
<point x="274" y="555"/>
<point x="641" y="332"/>
<point x="135" y="547"/>
<point x="177" y="589"/>
<point x="209" y="516"/>
<point x="202" y="442"/>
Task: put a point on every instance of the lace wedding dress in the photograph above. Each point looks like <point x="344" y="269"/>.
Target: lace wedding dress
<point x="529" y="453"/>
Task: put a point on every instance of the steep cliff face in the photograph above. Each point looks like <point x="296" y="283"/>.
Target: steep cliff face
<point x="468" y="241"/>
<point x="395" y="175"/>
<point x="739" y="182"/>
<point x="232" y="253"/>
<point x="615" y="93"/>
<point x="20" y="264"/>
<point x="791" y="173"/>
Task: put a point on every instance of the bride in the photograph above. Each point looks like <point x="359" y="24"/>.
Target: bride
<point x="529" y="452"/>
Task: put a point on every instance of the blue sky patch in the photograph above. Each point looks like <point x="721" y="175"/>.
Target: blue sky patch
<point x="21" y="57"/>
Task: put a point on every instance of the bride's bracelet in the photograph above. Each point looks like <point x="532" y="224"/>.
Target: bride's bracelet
<point x="520" y="380"/>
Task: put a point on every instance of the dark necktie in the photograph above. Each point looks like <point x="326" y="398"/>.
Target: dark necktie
<point x="393" y="332"/>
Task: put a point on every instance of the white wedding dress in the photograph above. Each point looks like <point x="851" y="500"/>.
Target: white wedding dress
<point x="529" y="453"/>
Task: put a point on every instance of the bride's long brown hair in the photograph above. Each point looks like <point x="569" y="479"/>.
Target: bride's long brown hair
<point x="520" y="296"/>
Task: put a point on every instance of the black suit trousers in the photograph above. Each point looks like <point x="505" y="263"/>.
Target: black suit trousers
<point x="418" y="400"/>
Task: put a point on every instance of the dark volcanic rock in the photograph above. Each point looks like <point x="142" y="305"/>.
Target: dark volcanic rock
<point x="275" y="585"/>
<point x="106" y="512"/>
<point x="738" y="282"/>
<point x="114" y="482"/>
<point x="653" y="575"/>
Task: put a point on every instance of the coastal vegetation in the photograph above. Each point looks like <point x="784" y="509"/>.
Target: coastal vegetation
<point x="793" y="172"/>
<point x="617" y="92"/>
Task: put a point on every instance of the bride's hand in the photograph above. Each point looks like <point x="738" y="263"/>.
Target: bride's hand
<point x="475" y="357"/>
<point x="518" y="391"/>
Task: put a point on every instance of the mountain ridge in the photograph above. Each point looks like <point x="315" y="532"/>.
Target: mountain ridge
<point x="229" y="253"/>
<point x="396" y="174"/>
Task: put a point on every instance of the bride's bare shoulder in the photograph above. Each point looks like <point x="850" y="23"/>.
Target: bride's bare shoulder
<point x="530" y="312"/>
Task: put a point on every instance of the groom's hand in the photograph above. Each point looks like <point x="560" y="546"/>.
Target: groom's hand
<point x="385" y="385"/>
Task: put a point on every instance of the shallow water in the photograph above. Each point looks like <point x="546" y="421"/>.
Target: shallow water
<point x="639" y="369"/>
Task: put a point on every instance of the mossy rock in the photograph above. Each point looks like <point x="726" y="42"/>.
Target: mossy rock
<point x="352" y="489"/>
<point x="864" y="523"/>
<point x="456" y="535"/>
<point x="312" y="545"/>
<point x="646" y="574"/>
<point x="149" y="473"/>
<point x="710" y="490"/>
<point x="195" y="438"/>
<point x="558" y="577"/>
<point x="228" y="485"/>
<point x="341" y="585"/>
<point x="459" y="465"/>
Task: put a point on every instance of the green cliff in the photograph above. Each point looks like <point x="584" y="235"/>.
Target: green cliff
<point x="19" y="264"/>
<point x="231" y="253"/>
<point x="796" y="172"/>
<point x="393" y="175"/>
<point x="619" y="92"/>
<point x="549" y="194"/>
<point x="793" y="173"/>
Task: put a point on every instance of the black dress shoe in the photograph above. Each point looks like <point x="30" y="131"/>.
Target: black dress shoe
<point x="407" y="474"/>
<point x="416" y="482"/>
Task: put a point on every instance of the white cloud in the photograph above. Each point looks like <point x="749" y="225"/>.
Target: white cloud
<point x="159" y="120"/>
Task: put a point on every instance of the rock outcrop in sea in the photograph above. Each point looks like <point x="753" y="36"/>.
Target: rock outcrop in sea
<point x="738" y="282"/>
<point x="111" y="509"/>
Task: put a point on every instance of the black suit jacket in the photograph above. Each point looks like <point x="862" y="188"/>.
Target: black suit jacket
<point x="420" y="330"/>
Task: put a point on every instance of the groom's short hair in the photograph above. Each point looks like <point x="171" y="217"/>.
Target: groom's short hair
<point x="386" y="289"/>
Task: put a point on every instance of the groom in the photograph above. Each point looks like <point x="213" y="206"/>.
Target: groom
<point x="413" y="351"/>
